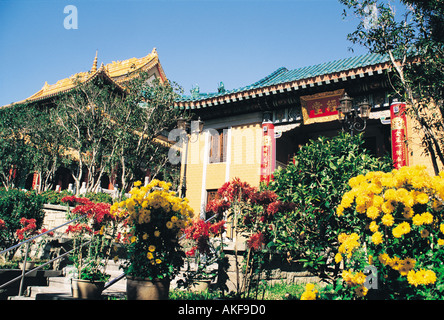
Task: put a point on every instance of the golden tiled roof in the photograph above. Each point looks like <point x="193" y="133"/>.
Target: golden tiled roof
<point x="117" y="71"/>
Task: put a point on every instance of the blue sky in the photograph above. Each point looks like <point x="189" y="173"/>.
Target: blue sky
<point x="199" y="42"/>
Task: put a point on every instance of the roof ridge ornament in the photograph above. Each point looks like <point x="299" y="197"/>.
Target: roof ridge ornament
<point x="94" y="66"/>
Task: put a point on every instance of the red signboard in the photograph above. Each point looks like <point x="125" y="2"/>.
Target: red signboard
<point x="321" y="107"/>
<point x="268" y="156"/>
<point x="399" y="134"/>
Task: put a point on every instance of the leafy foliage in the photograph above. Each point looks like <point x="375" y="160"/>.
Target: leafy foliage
<point x="411" y="34"/>
<point x="315" y="182"/>
<point x="15" y="205"/>
<point x="399" y="222"/>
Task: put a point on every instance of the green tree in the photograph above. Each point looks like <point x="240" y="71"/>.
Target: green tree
<point x="15" y="152"/>
<point x="82" y="116"/>
<point x="315" y="182"/>
<point x="411" y="34"/>
<point x="140" y="125"/>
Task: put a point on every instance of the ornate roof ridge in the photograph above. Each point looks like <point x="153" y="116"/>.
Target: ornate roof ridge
<point x="113" y="71"/>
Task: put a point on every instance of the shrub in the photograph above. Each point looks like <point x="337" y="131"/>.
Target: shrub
<point x="54" y="197"/>
<point x="14" y="205"/>
<point x="315" y="182"/>
<point x="398" y="219"/>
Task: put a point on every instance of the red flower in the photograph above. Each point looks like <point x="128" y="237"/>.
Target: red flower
<point x="217" y="206"/>
<point x="264" y="197"/>
<point x="78" y="228"/>
<point x="49" y="233"/>
<point x="280" y="206"/>
<point x="200" y="232"/>
<point x="191" y="252"/>
<point x="217" y="228"/>
<point x="3" y="225"/>
<point x="72" y="200"/>
<point x="256" y="241"/>
<point x="236" y="190"/>
<point x="29" y="228"/>
<point x="99" y="212"/>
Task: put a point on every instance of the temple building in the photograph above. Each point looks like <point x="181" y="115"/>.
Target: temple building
<point x="115" y="74"/>
<point x="250" y="131"/>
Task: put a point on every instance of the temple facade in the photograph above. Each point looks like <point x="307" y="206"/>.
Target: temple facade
<point x="250" y="131"/>
<point x="115" y="74"/>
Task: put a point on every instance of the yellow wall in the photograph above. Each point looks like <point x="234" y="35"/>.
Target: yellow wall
<point x="416" y="152"/>
<point x="244" y="162"/>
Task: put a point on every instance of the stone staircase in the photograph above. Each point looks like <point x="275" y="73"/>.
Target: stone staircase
<point x="59" y="288"/>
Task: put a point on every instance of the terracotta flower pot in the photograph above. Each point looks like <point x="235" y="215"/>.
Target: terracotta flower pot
<point x="144" y="289"/>
<point x="200" y="285"/>
<point x="87" y="289"/>
<point x="29" y="265"/>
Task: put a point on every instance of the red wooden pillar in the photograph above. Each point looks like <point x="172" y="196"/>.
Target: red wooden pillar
<point x="399" y="134"/>
<point x="268" y="154"/>
<point x="35" y="181"/>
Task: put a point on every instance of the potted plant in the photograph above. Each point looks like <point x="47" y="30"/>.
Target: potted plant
<point x="93" y="239"/>
<point x="155" y="220"/>
<point x="203" y="257"/>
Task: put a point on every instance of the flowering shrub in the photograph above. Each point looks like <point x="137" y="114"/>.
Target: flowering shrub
<point x="200" y="231"/>
<point x="399" y="217"/>
<point x="316" y="181"/>
<point x="155" y="218"/>
<point x="29" y="229"/>
<point x="204" y="252"/>
<point x="253" y="213"/>
<point x="14" y="205"/>
<point x="100" y="227"/>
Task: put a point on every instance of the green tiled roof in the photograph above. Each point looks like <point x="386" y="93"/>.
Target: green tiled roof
<point x="283" y="75"/>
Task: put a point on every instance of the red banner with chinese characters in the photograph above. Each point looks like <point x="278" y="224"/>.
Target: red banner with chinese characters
<point x="268" y="156"/>
<point x="321" y="107"/>
<point x="35" y="180"/>
<point x="399" y="134"/>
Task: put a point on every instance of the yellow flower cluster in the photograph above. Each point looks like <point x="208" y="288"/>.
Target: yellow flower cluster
<point x="421" y="277"/>
<point x="309" y="293"/>
<point x="355" y="280"/>
<point x="378" y="193"/>
<point x="386" y="198"/>
<point x="401" y="265"/>
<point x="156" y="195"/>
<point x="348" y="244"/>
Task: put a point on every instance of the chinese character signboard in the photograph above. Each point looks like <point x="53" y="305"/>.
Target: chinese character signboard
<point x="321" y="107"/>
<point x="399" y="134"/>
<point x="268" y="155"/>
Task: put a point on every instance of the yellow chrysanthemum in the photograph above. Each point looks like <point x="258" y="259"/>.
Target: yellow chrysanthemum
<point x="377" y="238"/>
<point x="384" y="258"/>
<point x="373" y="226"/>
<point x="387" y="220"/>
<point x="401" y="229"/>
<point x="387" y="207"/>
<point x="422" y="198"/>
<point x="373" y="212"/>
<point x="361" y="291"/>
<point x="338" y="257"/>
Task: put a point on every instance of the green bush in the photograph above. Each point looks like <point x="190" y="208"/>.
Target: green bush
<point x="14" y="205"/>
<point x="99" y="197"/>
<point x="54" y="197"/>
<point x="315" y="182"/>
